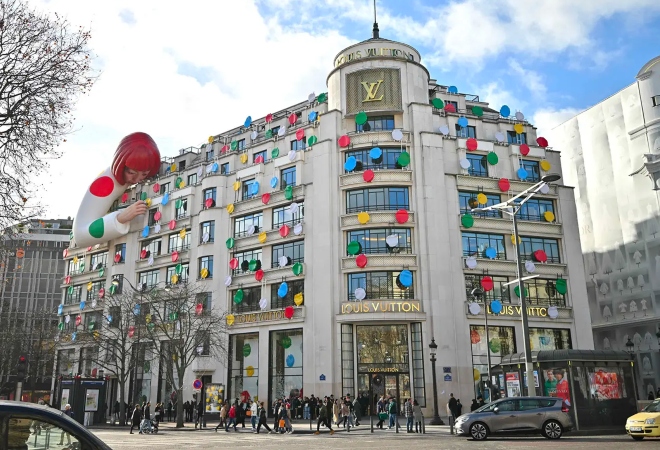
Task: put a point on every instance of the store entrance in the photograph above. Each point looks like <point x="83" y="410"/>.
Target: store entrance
<point x="384" y="384"/>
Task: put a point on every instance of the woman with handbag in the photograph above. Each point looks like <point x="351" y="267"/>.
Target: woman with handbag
<point x="382" y="412"/>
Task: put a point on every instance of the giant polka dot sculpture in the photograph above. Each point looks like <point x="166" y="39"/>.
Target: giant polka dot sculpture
<point x="93" y="224"/>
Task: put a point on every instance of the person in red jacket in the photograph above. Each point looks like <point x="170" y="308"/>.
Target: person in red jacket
<point x="232" y="417"/>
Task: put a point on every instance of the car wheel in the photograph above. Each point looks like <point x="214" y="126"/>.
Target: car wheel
<point x="478" y="431"/>
<point x="552" y="429"/>
<point x="637" y="438"/>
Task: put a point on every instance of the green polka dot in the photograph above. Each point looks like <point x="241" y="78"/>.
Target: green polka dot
<point x="96" y="229"/>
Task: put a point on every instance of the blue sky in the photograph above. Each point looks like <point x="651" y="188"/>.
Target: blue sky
<point x="184" y="73"/>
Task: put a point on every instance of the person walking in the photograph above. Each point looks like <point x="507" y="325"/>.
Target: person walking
<point x="459" y="408"/>
<point x="418" y="416"/>
<point x="200" y="415"/>
<point x="336" y="413"/>
<point x="169" y="411"/>
<point x="346" y="417"/>
<point x="381" y="411"/>
<point x="69" y="412"/>
<point x="116" y="411"/>
<point x="232" y="417"/>
<point x="452" y="406"/>
<point x="357" y="411"/>
<point x="408" y="410"/>
<point x="254" y="415"/>
<point x="393" y="411"/>
<point x="136" y="419"/>
<point x="263" y="419"/>
<point x="223" y="415"/>
<point x="324" y="418"/>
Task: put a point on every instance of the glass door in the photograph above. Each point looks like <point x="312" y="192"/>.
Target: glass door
<point x="377" y="389"/>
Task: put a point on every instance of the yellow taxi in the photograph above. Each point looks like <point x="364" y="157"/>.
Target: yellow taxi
<point x="645" y="423"/>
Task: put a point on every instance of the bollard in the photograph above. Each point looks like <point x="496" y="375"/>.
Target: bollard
<point x="396" y="423"/>
<point x="451" y="424"/>
<point x="310" y="422"/>
<point x="371" y="421"/>
<point x="423" y="425"/>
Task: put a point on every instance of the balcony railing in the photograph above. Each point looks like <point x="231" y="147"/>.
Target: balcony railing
<point x="385" y="294"/>
<point x="276" y="264"/>
<point x="377" y="207"/>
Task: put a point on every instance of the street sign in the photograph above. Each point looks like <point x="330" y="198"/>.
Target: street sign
<point x="197" y="384"/>
<point x="446" y="370"/>
<point x="322" y="377"/>
<point x="448" y="377"/>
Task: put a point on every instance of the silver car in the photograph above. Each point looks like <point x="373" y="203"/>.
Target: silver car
<point x="548" y="415"/>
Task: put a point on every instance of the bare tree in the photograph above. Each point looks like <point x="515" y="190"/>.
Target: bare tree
<point x="183" y="326"/>
<point x="44" y="68"/>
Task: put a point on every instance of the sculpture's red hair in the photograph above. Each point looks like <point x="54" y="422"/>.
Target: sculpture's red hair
<point x="137" y="151"/>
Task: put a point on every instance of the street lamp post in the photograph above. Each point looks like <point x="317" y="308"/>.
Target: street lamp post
<point x="433" y="348"/>
<point x="512" y="207"/>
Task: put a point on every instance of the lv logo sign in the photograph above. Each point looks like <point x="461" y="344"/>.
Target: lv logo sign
<point x="372" y="91"/>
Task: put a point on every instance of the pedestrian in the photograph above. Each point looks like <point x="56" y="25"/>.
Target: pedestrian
<point x="418" y="416"/>
<point x="157" y="411"/>
<point x="200" y="415"/>
<point x="136" y="418"/>
<point x="324" y="417"/>
<point x="263" y="420"/>
<point x="381" y="411"/>
<point x="232" y="417"/>
<point x="452" y="406"/>
<point x="474" y="404"/>
<point x="393" y="411"/>
<point x="335" y="411"/>
<point x="69" y="412"/>
<point x="409" y="415"/>
<point x="254" y="415"/>
<point x="459" y="408"/>
<point x="480" y="400"/>
<point x="276" y="412"/>
<point x="169" y="411"/>
<point x="357" y="411"/>
<point x="346" y="416"/>
<point x="116" y="410"/>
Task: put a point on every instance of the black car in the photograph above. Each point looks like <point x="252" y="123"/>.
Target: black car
<point x="26" y="426"/>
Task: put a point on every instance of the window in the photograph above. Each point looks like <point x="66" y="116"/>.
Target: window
<point x="93" y="320"/>
<point x="94" y="292"/>
<point x="98" y="261"/>
<point x="478" y="165"/>
<point x="246" y="257"/>
<point x="206" y="300"/>
<point x="275" y="130"/>
<point x="535" y="208"/>
<point x="207" y="229"/>
<point x="378" y="285"/>
<point x="454" y="104"/>
<point x="468" y="200"/>
<point x="203" y="342"/>
<point x="374" y="240"/>
<point x="243" y="224"/>
<point x="530" y="244"/>
<point x="418" y="362"/>
<point x="263" y="154"/>
<point x="76" y="267"/>
<point x="288" y="177"/>
<point x="250" y="302"/>
<point x="24" y="431"/>
<point x="120" y="249"/>
<point x="295" y="287"/>
<point x="152" y="217"/>
<point x="209" y="194"/>
<point x="386" y="161"/>
<point x="499" y="292"/>
<point x="502" y="342"/>
<point x="515" y="138"/>
<point x="238" y="379"/>
<point x="73" y="295"/>
<point x="475" y="244"/>
<point x="206" y="262"/>
<point x="466" y="132"/>
<point x="283" y="216"/>
<point x="152" y="247"/>
<point x="182" y="212"/>
<point x="118" y="283"/>
<point x="192" y="179"/>
<point x="148" y="280"/>
<point x="285" y="365"/>
<point x="114" y="316"/>
<point x="183" y="276"/>
<point x="550" y="338"/>
<point x="182" y="165"/>
<point x="656" y="100"/>
<point x="165" y="187"/>
<point x="299" y="145"/>
<point x="210" y="154"/>
<point x="376" y="199"/>
<point x="533" y="170"/>
<point x="378" y="123"/>
<point x="176" y="243"/>
<point x="247" y="189"/>
<point x="543" y="293"/>
<point x="294" y="251"/>
<point x="224" y="169"/>
<point x="240" y="144"/>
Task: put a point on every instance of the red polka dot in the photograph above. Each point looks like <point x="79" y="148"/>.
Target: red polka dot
<point x="102" y="187"/>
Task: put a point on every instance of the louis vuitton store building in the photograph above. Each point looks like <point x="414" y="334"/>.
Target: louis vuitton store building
<point x="335" y="234"/>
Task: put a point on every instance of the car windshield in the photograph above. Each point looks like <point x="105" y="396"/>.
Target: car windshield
<point x="653" y="407"/>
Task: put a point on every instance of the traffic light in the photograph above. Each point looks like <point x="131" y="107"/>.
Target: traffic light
<point x="21" y="367"/>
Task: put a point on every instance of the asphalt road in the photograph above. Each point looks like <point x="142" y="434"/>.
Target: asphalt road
<point x="438" y="438"/>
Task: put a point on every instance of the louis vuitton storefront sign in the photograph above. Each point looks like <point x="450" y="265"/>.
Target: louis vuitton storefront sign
<point x="373" y="90"/>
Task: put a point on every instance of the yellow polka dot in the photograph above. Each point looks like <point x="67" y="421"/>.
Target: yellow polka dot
<point x="244" y="158"/>
<point x="549" y="216"/>
<point x="237" y="185"/>
<point x="518" y="128"/>
<point x="262" y="237"/>
<point x="545" y="165"/>
<point x="230" y="208"/>
<point x="363" y="217"/>
<point x="513" y="240"/>
<point x="210" y="139"/>
<point x="482" y="199"/>
<point x="173" y="168"/>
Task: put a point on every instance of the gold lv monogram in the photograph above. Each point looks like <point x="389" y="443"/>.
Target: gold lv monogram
<point x="372" y="91"/>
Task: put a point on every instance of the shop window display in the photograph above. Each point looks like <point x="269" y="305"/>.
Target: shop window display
<point x="243" y="366"/>
<point x="285" y="364"/>
<point x="502" y="342"/>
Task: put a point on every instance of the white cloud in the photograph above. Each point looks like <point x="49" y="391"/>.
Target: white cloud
<point x="530" y="79"/>
<point x="152" y="55"/>
<point x="547" y="119"/>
